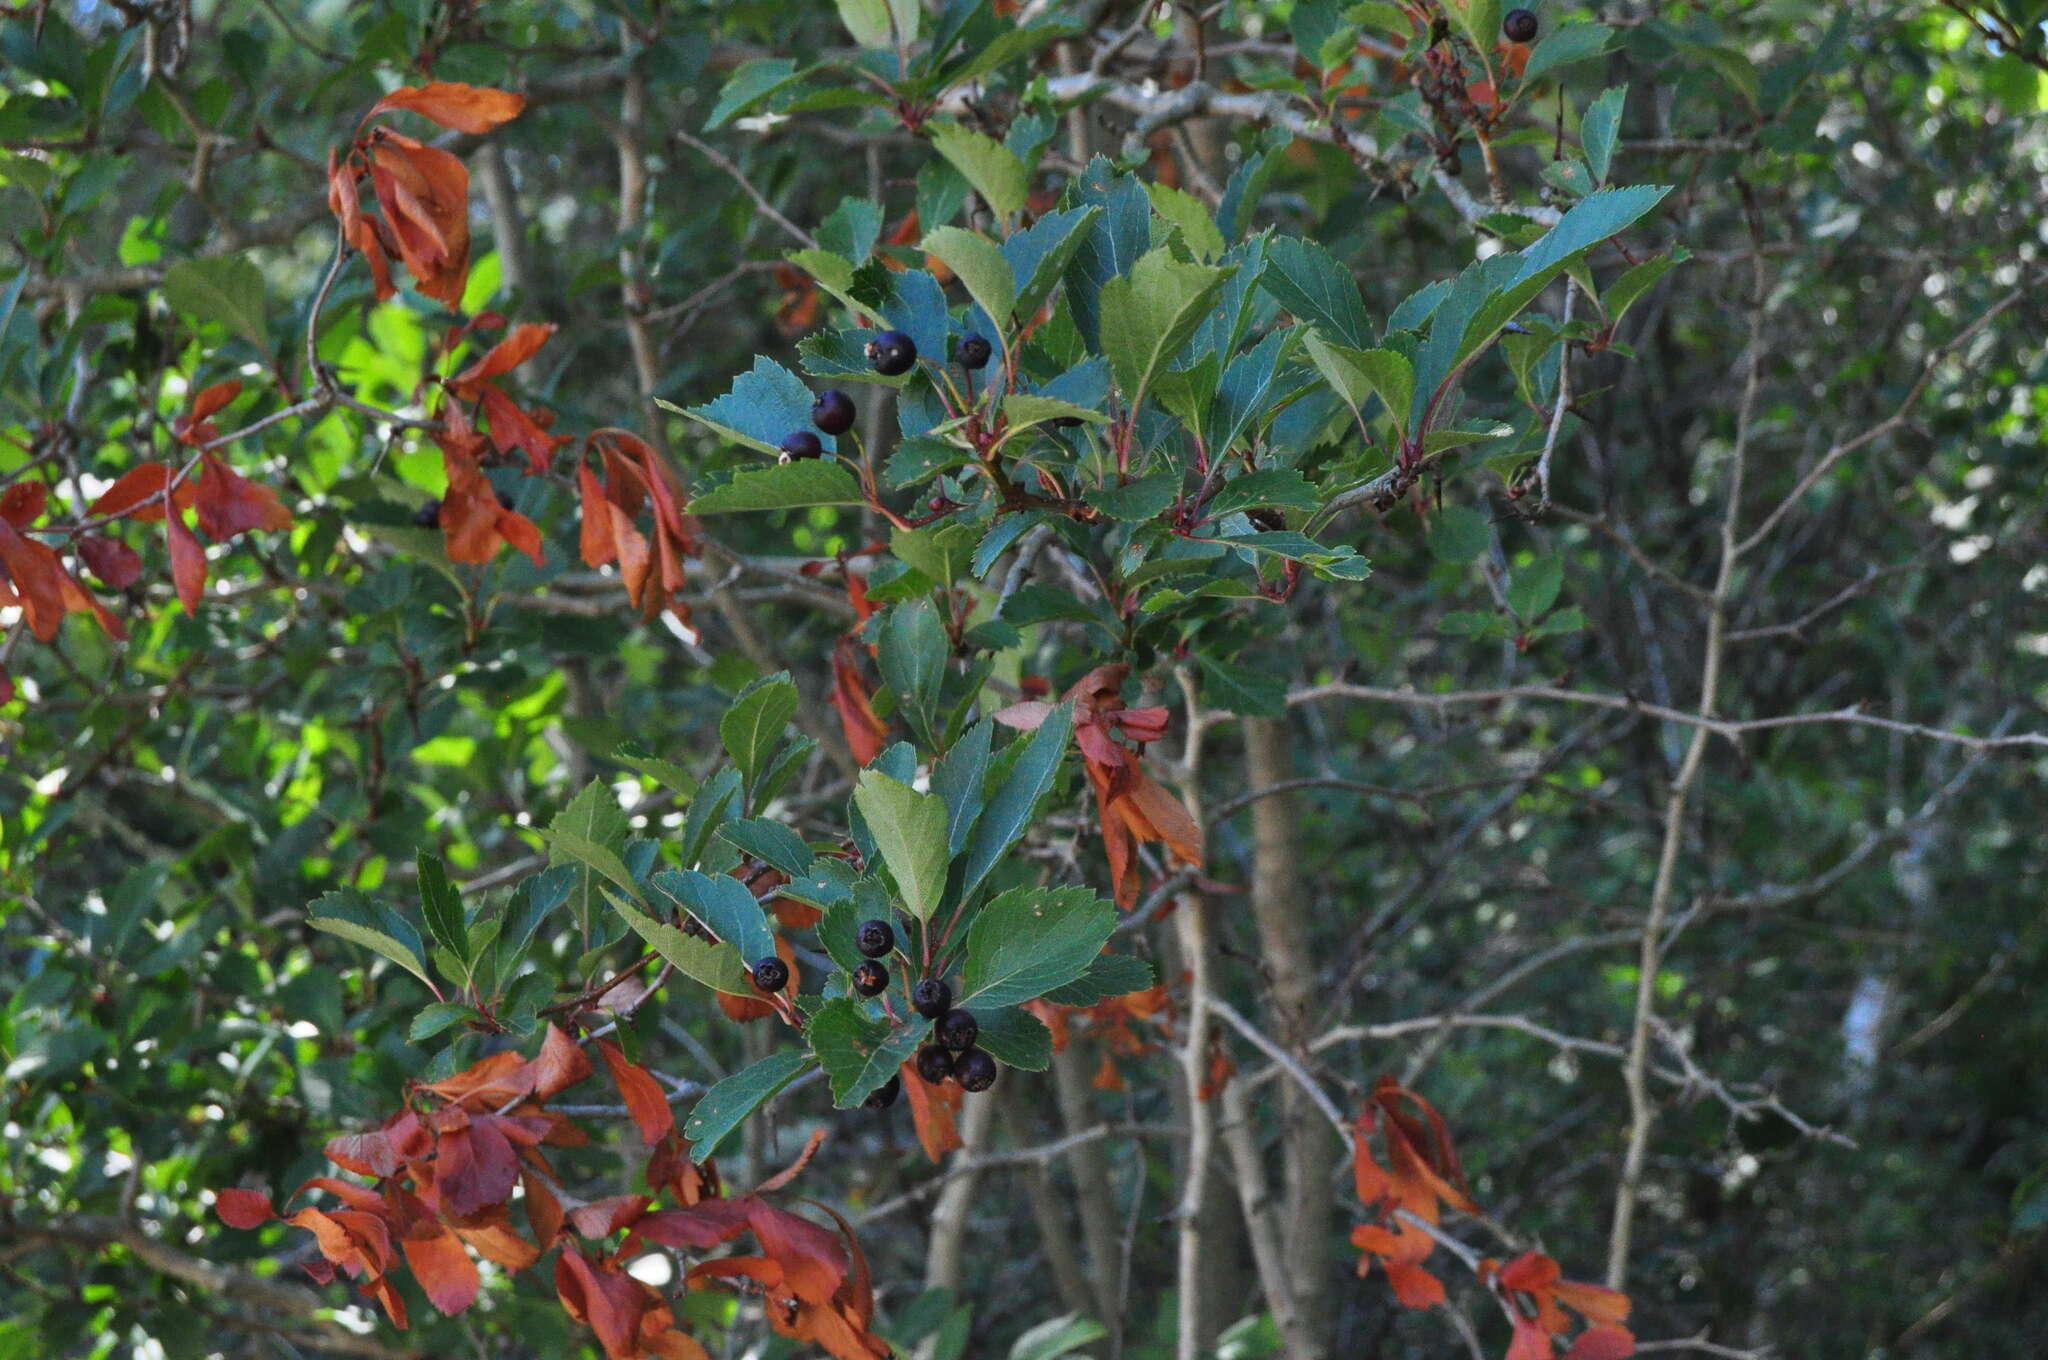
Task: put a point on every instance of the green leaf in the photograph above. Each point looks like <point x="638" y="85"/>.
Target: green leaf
<point x="1148" y="315"/>
<point x="1242" y="689"/>
<point x="1268" y="486"/>
<point x="1627" y="290"/>
<point x="1040" y="253"/>
<point x="980" y="264"/>
<point x="1309" y="281"/>
<point x="1023" y="409"/>
<point x="1108" y="975"/>
<point x="441" y="906"/>
<point x="1340" y="560"/>
<point x="1185" y="211"/>
<point x="760" y="409"/>
<point x="858" y="1054"/>
<point x="1471" y="623"/>
<point x="1534" y="587"/>
<point x="911" y="653"/>
<point x="1357" y="373"/>
<point x="726" y="1106"/>
<point x="992" y="168"/>
<point x="958" y="780"/>
<point x="717" y="966"/>
<point x="774" y="844"/>
<point x="1010" y="807"/>
<point x="910" y="831"/>
<point x="226" y="289"/>
<point x="810" y="481"/>
<point x="867" y="21"/>
<point x="1060" y="1336"/>
<point x="1598" y="129"/>
<point x="567" y="847"/>
<point x="440" y="1016"/>
<point x="353" y="917"/>
<point x="667" y="773"/>
<point x="1459" y="534"/>
<point x="942" y="552"/>
<point x="1027" y="941"/>
<point x="1565" y="45"/>
<point x="1014" y="1038"/>
<point x="1141" y="499"/>
<point x="751" y="82"/>
<point x="752" y="728"/>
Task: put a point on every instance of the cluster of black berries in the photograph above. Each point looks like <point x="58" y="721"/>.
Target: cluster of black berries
<point x="893" y="354"/>
<point x="954" y="1055"/>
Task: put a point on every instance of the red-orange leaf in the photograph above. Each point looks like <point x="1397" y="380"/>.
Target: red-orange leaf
<point x="22" y="504"/>
<point x="442" y="1266"/>
<point x="1603" y="1343"/>
<point x="1414" y="1286"/>
<point x="188" y="562"/>
<point x="561" y="1064"/>
<point x="645" y="1100"/>
<point x="463" y="108"/>
<point x="934" y="1110"/>
<point x="229" y="503"/>
<point x="113" y="561"/>
<point x="243" y="1208"/>
<point x="134" y="486"/>
<point x="514" y="350"/>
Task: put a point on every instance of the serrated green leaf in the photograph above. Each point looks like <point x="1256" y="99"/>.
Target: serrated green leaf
<point x="910" y="831"/>
<point x="858" y="1054"/>
<point x="1357" y="373"/>
<point x="1283" y="487"/>
<point x="752" y="728"/>
<point x="726" y="1106"/>
<point x="1309" y="281"/>
<point x="774" y="844"/>
<point x="1014" y="1038"/>
<point x="760" y="409"/>
<point x="1010" y="806"/>
<point x="789" y="486"/>
<point x="992" y="168"/>
<point x="1565" y="45"/>
<point x="1027" y="941"/>
<point x="1039" y="254"/>
<point x="1108" y="975"/>
<point x="751" y="82"/>
<point x="1599" y="128"/>
<point x="1148" y="315"/>
<point x="1141" y="499"/>
<point x="1187" y="212"/>
<point x="351" y="916"/>
<point x="441" y="906"/>
<point x="1024" y="409"/>
<point x="440" y="1016"/>
<point x="911" y="653"/>
<point x="717" y="966"/>
<point x="1459" y="534"/>
<point x="1533" y="589"/>
<point x="980" y="265"/>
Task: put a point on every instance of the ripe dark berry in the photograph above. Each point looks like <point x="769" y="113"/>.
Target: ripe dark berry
<point x="973" y="351"/>
<point x="870" y="978"/>
<point x="892" y="353"/>
<point x="958" y="1030"/>
<point x="931" y="998"/>
<point x="801" y="444"/>
<point x="1519" y="25"/>
<point x="874" y="938"/>
<point x="974" y="1070"/>
<point x="428" y="516"/>
<point x="771" y="974"/>
<point x="883" y="1096"/>
<point x="934" y="1064"/>
<point x="832" y="412"/>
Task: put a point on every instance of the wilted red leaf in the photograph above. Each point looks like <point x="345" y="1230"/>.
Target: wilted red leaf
<point x="560" y="1064"/>
<point x="475" y="1166"/>
<point x="934" y="1110"/>
<point x="543" y="1208"/>
<point x="514" y="350"/>
<point x="1414" y="1286"/>
<point x="866" y="733"/>
<point x="512" y="428"/>
<point x="424" y="195"/>
<point x="645" y="1100"/>
<point x="1603" y="1343"/>
<point x="229" y="503"/>
<point x="212" y="399"/>
<point x="188" y="562"/>
<point x="795" y="1168"/>
<point x="462" y="108"/>
<point x="134" y="486"/>
<point x="442" y="1266"/>
<point x="243" y="1208"/>
<point x="492" y="1234"/>
<point x="603" y="1217"/>
<point x="113" y="561"/>
<point x="22" y="504"/>
<point x="37" y="577"/>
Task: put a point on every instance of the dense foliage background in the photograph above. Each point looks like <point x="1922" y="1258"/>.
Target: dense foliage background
<point x="1839" y="1030"/>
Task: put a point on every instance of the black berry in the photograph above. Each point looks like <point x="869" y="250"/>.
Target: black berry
<point x="883" y="1096"/>
<point x="974" y="1070"/>
<point x="504" y="499"/>
<point x="934" y="1064"/>
<point x="973" y="351"/>
<point x="428" y="516"/>
<point x="958" y="1030"/>
<point x="870" y="978"/>
<point x="771" y="974"/>
<point x="874" y="938"/>
<point x="1519" y="25"/>
<point x="931" y="998"/>
<point x="801" y="444"/>
<point x="892" y="353"/>
<point x="832" y="412"/>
